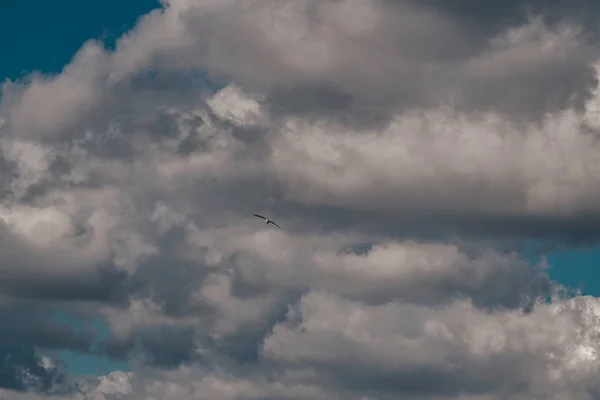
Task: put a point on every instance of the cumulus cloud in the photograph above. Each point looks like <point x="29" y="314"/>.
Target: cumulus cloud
<point x="405" y="349"/>
<point x="408" y="149"/>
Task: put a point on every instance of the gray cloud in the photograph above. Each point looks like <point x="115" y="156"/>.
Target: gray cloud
<point x="408" y="154"/>
<point x="492" y="16"/>
<point x="481" y="349"/>
<point x="21" y="369"/>
<point x="313" y="59"/>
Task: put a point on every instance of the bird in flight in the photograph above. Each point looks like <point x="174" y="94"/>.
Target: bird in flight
<point x="267" y="221"/>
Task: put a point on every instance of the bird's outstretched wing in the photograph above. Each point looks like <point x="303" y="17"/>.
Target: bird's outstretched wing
<point x="259" y="216"/>
<point x="271" y="222"/>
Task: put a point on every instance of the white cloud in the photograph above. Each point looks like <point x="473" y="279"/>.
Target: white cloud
<point x="546" y="350"/>
<point x="434" y="161"/>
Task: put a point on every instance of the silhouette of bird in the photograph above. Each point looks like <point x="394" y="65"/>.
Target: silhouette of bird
<point x="267" y="221"/>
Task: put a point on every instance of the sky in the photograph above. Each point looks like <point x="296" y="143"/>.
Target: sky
<point x="61" y="28"/>
<point x="434" y="166"/>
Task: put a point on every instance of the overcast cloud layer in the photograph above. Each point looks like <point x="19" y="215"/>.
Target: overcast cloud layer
<point x="408" y="150"/>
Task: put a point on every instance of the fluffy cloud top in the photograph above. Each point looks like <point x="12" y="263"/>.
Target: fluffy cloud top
<point x="408" y="149"/>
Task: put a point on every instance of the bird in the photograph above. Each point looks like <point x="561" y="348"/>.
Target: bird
<point x="267" y="221"/>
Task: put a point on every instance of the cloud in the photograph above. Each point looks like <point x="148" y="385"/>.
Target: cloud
<point x="23" y="369"/>
<point x="428" y="166"/>
<point x="314" y="59"/>
<point x="408" y="154"/>
<point x="400" y="349"/>
<point x="329" y="346"/>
